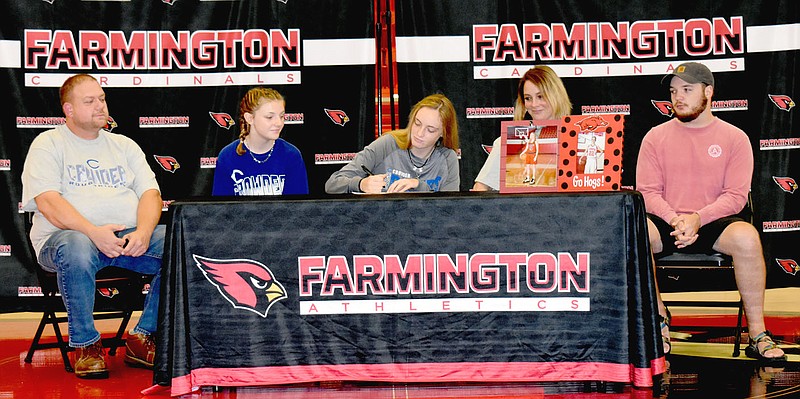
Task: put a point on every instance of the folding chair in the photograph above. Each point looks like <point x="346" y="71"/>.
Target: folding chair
<point x="118" y="293"/>
<point x="671" y="269"/>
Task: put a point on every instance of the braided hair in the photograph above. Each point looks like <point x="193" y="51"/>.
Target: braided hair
<point x="250" y="102"/>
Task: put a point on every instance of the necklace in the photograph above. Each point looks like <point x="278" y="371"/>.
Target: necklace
<point x="418" y="168"/>
<point x="269" y="154"/>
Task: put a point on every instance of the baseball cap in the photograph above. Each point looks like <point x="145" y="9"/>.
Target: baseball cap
<point x="691" y="72"/>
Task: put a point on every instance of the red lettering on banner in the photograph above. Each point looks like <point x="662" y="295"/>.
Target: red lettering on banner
<point x="92" y="51"/>
<point x="602" y="40"/>
<point x="255" y="42"/>
<point x="513" y="262"/>
<point x="36" y="46"/>
<point x="337" y="276"/>
<point x="728" y="36"/>
<point x="484" y="40"/>
<point x="573" y="272"/>
<point x="173" y="50"/>
<point x="570" y="46"/>
<point x="310" y="269"/>
<point x="442" y="274"/>
<point x="403" y="279"/>
<point x="697" y="37"/>
<point x="285" y="48"/>
<point x="542" y="272"/>
<point x="429" y="268"/>
<point x="536" y="38"/>
<point x="205" y="49"/>
<point x="367" y="270"/>
<point x="614" y="41"/>
<point x="484" y="274"/>
<point x="671" y="29"/>
<point x="452" y="274"/>
<point x="507" y="43"/>
<point x="645" y="42"/>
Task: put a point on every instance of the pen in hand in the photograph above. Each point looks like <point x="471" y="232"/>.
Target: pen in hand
<point x="364" y="168"/>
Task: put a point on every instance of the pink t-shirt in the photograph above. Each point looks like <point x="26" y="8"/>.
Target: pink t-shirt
<point x="706" y="170"/>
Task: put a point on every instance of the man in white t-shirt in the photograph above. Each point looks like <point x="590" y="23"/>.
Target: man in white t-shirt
<point x="96" y="203"/>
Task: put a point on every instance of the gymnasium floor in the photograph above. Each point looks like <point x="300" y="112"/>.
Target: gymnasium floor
<point x="700" y="368"/>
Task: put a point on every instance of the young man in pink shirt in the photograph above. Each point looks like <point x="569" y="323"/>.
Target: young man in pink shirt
<point x="694" y="172"/>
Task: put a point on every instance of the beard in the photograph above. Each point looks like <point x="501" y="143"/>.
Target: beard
<point x="693" y="113"/>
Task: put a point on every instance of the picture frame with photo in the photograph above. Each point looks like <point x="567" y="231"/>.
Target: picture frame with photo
<point x="575" y="153"/>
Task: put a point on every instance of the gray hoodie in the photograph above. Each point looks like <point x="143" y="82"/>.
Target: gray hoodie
<point x="438" y="173"/>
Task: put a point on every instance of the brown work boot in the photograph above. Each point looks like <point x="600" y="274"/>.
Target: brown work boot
<point x="90" y="362"/>
<point x="140" y="350"/>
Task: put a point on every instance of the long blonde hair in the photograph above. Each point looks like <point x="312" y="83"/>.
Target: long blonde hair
<point x="250" y="102"/>
<point x="552" y="90"/>
<point x="447" y="114"/>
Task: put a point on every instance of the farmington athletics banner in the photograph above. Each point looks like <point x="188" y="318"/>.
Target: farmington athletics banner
<point x="611" y="56"/>
<point x="174" y="73"/>
<point x="422" y="291"/>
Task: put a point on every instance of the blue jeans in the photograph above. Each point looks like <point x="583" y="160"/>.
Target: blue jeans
<point x="75" y="259"/>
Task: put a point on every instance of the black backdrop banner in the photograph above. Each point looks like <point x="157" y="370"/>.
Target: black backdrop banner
<point x="611" y="56"/>
<point x="175" y="70"/>
<point x="174" y="73"/>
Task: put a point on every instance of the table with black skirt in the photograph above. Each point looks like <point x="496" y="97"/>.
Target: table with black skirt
<point x="438" y="287"/>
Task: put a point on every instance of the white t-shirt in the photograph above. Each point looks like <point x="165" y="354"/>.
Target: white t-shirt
<point x="102" y="178"/>
<point x="490" y="172"/>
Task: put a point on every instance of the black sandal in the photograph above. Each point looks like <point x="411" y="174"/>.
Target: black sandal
<point x="665" y="323"/>
<point x="752" y="350"/>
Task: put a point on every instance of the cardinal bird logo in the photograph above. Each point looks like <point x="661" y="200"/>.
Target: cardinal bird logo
<point x="788" y="265"/>
<point x="785" y="183"/>
<point x="222" y="119"/>
<point x="663" y="107"/>
<point x="108" y="292"/>
<point x="168" y="163"/>
<point x="591" y="123"/>
<point x="245" y="283"/>
<point x="338" y="116"/>
<point x="111" y="124"/>
<point x="781" y="101"/>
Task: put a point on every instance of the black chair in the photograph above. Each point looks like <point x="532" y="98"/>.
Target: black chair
<point x="119" y="292"/>
<point x="674" y="270"/>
